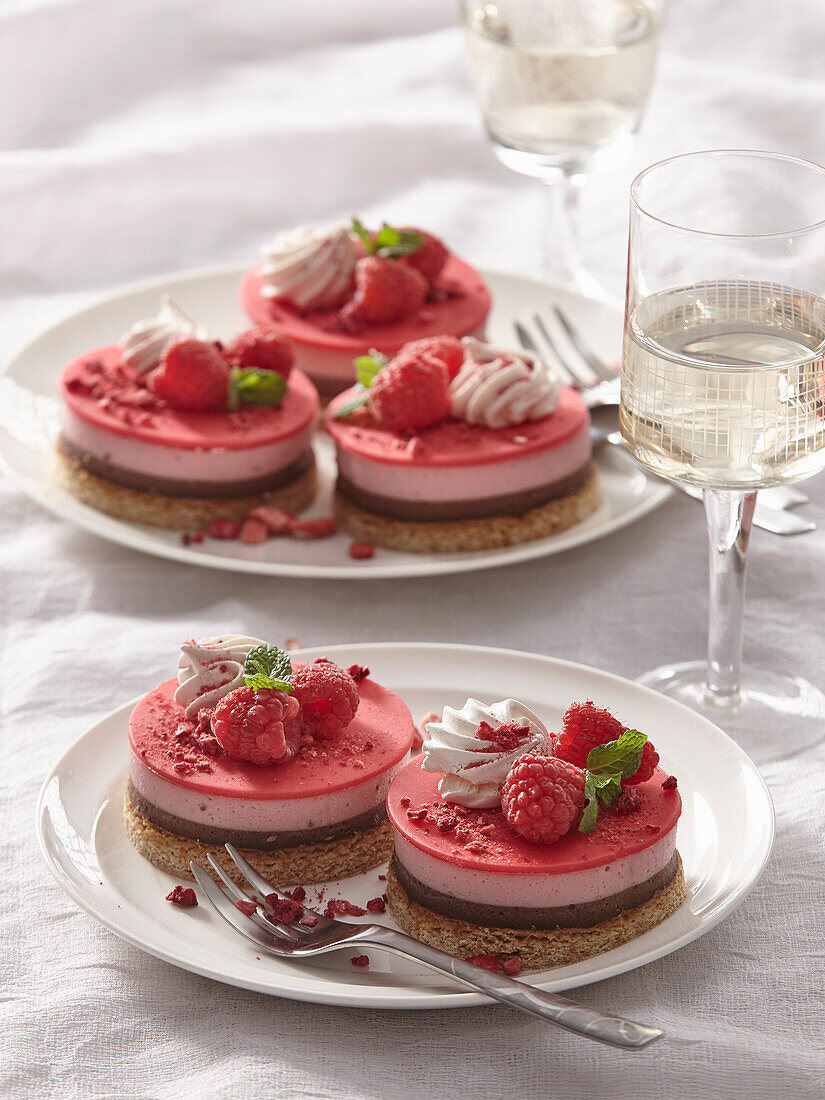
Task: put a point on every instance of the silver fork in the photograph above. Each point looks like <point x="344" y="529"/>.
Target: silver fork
<point x="598" y="383"/>
<point x="296" y="941"/>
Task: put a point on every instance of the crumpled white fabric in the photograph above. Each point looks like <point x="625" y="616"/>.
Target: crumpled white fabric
<point x="144" y="137"/>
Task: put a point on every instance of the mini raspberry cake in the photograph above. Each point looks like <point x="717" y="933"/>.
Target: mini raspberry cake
<point x="510" y="842"/>
<point x="289" y="762"/>
<point x="170" y="429"/>
<point x="456" y="445"/>
<point x="336" y="293"/>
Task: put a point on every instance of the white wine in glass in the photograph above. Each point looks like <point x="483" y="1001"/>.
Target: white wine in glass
<point x="562" y="86"/>
<point x="723" y="385"/>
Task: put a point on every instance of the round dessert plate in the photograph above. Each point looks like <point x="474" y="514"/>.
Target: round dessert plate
<point x="725" y="833"/>
<point x="29" y="414"/>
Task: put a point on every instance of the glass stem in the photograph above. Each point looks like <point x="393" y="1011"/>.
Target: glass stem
<point x="561" y="256"/>
<point x="730" y="518"/>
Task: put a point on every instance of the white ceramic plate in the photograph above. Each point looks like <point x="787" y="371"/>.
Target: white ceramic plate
<point x="725" y="832"/>
<point x="29" y="420"/>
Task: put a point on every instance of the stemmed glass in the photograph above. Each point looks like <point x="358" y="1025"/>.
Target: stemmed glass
<point x="562" y="85"/>
<point x="723" y="378"/>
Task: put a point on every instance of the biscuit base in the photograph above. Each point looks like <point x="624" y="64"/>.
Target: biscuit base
<point x="462" y="535"/>
<point x="302" y="865"/>
<point x="538" y="948"/>
<point x="176" y="513"/>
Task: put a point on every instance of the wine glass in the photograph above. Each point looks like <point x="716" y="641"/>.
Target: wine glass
<point x="723" y="379"/>
<point x="562" y="86"/>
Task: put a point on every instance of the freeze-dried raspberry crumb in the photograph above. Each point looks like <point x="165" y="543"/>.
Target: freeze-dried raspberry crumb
<point x="382" y="878"/>
<point x="298" y="894"/>
<point x="360" y="960"/>
<point x="184" y="896"/>
<point x="416" y="815"/>
<point x="652" y="828"/>
<point x="669" y="784"/>
<point x="284" y="909"/>
<point x="254" y="531"/>
<point x="340" y="907"/>
<point x="278" y="522"/>
<point x="446" y="823"/>
<point x="628" y="802"/>
<point x="358" y="672"/>
<point x="503" y="738"/>
<point x="486" y="962"/>
<point x="405" y="801"/>
<point x="360" y="551"/>
<point x="189" y="539"/>
<point x="320" y="528"/>
<point x="376" y="905"/>
<point x="246" y="907"/>
<point x="511" y="966"/>
<point x="223" y="529"/>
<point x="309" y="920"/>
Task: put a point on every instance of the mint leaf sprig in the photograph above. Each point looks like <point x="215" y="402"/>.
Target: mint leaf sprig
<point x="367" y="368"/>
<point x="388" y="242"/>
<point x="268" y="668"/>
<point x="252" y="386"/>
<point x="607" y="765"/>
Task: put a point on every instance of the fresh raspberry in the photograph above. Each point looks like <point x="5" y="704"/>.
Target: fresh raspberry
<point x="327" y="696"/>
<point x="542" y="797"/>
<point x="385" y="291"/>
<point x="263" y="348"/>
<point x="224" y="528"/>
<point x="410" y="393"/>
<point x="585" y="726"/>
<point x="446" y="350"/>
<point x="430" y="258"/>
<point x="184" y="896"/>
<point x="361" y="550"/>
<point x="259" y="726"/>
<point x="192" y="375"/>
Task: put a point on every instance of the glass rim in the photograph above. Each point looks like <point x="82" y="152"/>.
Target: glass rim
<point x="761" y="154"/>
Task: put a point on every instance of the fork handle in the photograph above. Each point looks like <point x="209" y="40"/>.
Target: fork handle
<point x="613" y="1030"/>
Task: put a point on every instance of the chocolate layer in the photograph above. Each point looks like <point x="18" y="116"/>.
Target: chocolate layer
<point x="516" y="503"/>
<point x="585" y="915"/>
<point x="246" y="838"/>
<point x="177" y="487"/>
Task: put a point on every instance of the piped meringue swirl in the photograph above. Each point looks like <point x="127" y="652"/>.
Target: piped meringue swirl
<point x="311" y="268"/>
<point x="142" y="346"/>
<point x="210" y="669"/>
<point x="499" y="388"/>
<point x="473" y="776"/>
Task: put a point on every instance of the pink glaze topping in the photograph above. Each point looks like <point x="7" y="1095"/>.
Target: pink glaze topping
<point x="168" y="744"/>
<point x="100" y="389"/>
<point x="462" y="311"/>
<point x="454" y="442"/>
<point x="503" y="851"/>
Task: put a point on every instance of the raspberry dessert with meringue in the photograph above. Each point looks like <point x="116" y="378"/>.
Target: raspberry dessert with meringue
<point x="337" y="292"/>
<point x="291" y="762"/>
<point x="510" y="841"/>
<point x="454" y="445"/>
<point x="172" y="429"/>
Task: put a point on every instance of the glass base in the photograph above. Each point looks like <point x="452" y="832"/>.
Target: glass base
<point x="772" y="709"/>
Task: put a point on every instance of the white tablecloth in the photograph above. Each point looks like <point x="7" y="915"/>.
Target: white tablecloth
<point x="148" y="136"/>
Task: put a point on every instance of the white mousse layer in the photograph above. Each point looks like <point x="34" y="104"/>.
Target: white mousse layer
<point x="490" y="479"/>
<point x="179" y="463"/>
<point x="261" y="815"/>
<point x="536" y="891"/>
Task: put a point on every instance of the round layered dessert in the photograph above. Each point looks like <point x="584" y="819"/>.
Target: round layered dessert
<point x="504" y="854"/>
<point x="169" y="429"/>
<point x="337" y="293"/>
<point x="458" y="446"/>
<point x="296" y="776"/>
